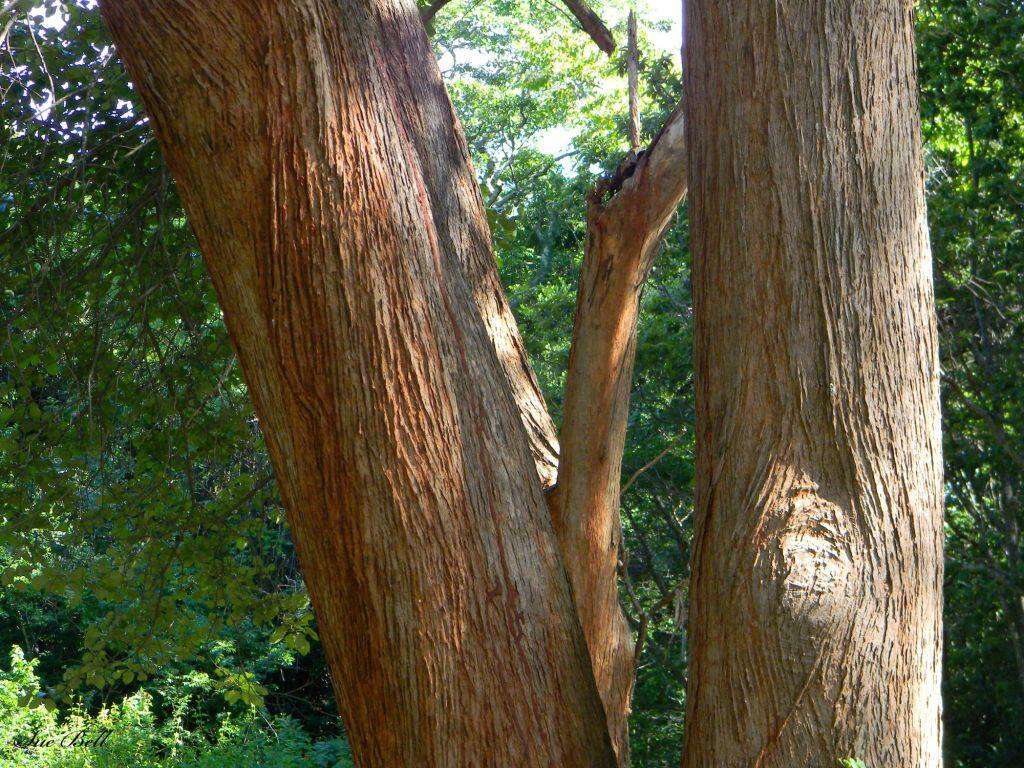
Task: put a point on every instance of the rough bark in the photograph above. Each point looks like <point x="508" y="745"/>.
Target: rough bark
<point x="626" y="221"/>
<point x="331" y="192"/>
<point x="816" y="606"/>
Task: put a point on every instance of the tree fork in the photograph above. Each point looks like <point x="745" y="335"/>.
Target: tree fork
<point x="330" y="188"/>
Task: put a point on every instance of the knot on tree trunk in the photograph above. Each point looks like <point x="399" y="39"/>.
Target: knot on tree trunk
<point x="809" y="563"/>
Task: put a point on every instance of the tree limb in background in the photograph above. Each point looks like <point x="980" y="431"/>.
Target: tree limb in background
<point x="633" y="67"/>
<point x="585" y="15"/>
<point x="592" y="25"/>
<point x="428" y="12"/>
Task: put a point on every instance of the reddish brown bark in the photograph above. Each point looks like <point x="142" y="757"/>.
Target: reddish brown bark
<point x="816" y="593"/>
<point x="331" y="191"/>
<point x="625" y="223"/>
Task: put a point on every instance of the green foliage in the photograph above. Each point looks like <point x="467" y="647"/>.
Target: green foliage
<point x="34" y="735"/>
<point x="135" y="493"/>
<point x="972" y="83"/>
<point x="144" y="558"/>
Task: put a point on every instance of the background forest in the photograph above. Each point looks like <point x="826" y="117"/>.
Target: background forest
<point x="147" y="580"/>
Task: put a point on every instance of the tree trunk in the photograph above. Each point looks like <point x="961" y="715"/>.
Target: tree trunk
<point x="816" y="594"/>
<point x="331" y="191"/>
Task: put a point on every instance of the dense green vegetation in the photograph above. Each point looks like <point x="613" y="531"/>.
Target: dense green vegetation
<point x="147" y="581"/>
<point x="134" y="732"/>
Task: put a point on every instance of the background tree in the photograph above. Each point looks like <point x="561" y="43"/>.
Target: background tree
<point x="973" y="94"/>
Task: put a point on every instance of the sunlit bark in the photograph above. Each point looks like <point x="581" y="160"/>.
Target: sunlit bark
<point x="816" y="592"/>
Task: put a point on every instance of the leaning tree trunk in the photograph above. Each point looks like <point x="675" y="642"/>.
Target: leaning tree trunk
<point x="816" y="608"/>
<point x="627" y="218"/>
<point x="330" y="188"/>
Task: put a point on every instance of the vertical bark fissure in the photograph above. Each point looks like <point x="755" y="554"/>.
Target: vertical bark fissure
<point x="444" y="156"/>
<point x="815" y="618"/>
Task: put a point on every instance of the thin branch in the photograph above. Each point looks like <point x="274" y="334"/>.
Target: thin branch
<point x="627" y="218"/>
<point x="995" y="429"/>
<point x="662" y="454"/>
<point x="585" y="15"/>
<point x="632" y="68"/>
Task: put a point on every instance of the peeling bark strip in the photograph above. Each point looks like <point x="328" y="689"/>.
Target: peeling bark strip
<point x="626" y="221"/>
<point x="816" y="593"/>
<point x="331" y="191"/>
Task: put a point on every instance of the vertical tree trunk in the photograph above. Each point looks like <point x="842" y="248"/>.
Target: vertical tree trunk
<point x="331" y="191"/>
<point x="816" y="606"/>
